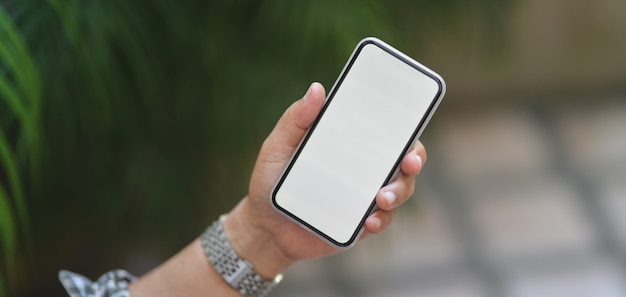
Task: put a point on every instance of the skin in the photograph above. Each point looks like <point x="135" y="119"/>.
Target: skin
<point x="257" y="232"/>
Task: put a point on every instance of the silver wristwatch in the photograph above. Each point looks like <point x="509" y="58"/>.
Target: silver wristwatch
<point x="237" y="272"/>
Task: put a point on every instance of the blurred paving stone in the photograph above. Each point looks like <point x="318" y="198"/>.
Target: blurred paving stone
<point x="594" y="137"/>
<point x="600" y="279"/>
<point x="612" y="196"/>
<point x="308" y="278"/>
<point x="530" y="217"/>
<point x="464" y="285"/>
<point x="306" y="272"/>
<point x="475" y="144"/>
<point x="305" y="291"/>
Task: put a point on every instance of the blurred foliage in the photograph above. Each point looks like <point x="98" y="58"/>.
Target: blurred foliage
<point x="125" y="123"/>
<point x="19" y="138"/>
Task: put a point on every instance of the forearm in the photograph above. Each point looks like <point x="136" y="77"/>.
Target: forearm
<point x="188" y="273"/>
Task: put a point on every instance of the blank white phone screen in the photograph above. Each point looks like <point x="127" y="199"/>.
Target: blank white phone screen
<point x="354" y="146"/>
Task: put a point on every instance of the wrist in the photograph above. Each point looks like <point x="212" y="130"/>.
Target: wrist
<point x="253" y="243"/>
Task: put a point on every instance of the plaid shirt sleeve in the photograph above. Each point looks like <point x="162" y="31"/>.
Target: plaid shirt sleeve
<point x="112" y="284"/>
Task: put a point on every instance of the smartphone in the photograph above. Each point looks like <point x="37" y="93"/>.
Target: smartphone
<point x="371" y="118"/>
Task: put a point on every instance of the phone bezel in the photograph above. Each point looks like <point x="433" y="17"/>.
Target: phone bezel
<point x="416" y="133"/>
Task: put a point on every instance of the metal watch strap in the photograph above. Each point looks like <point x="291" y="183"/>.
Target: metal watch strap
<point x="237" y="272"/>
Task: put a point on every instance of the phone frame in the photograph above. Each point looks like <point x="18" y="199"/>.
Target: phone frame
<point x="393" y="173"/>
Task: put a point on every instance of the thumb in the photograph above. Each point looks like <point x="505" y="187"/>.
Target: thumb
<point x="298" y="118"/>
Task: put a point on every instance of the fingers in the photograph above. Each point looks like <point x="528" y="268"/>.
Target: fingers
<point x="397" y="192"/>
<point x="378" y="221"/>
<point x="387" y="200"/>
<point x="294" y="123"/>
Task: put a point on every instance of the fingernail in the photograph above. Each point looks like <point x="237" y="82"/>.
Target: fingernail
<point x="419" y="160"/>
<point x="390" y="197"/>
<point x="377" y="222"/>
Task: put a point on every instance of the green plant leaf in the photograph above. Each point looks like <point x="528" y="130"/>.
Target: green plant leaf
<point x="18" y="61"/>
<point x="8" y="234"/>
<point x="9" y="164"/>
<point x="21" y="94"/>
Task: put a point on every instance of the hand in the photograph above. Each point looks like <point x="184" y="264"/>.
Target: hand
<point x="271" y="241"/>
